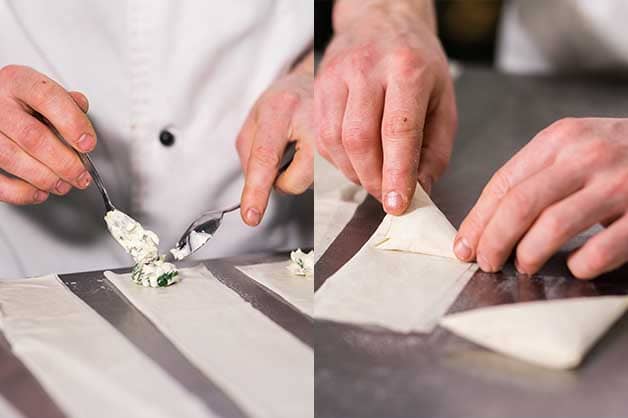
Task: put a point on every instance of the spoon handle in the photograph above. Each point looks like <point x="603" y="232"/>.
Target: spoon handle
<point x="89" y="164"/>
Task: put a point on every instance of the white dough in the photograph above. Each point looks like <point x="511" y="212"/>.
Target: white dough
<point x="87" y="367"/>
<point x="296" y="290"/>
<point x="7" y="410"/>
<point x="555" y="333"/>
<point x="264" y="368"/>
<point x="335" y="202"/>
<point x="405" y="290"/>
<point x="422" y="229"/>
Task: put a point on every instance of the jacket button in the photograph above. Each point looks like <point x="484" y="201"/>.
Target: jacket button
<point x="166" y="138"/>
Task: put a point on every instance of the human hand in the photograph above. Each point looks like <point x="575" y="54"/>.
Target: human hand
<point x="37" y="161"/>
<point x="385" y="110"/>
<point x="571" y="176"/>
<point x="281" y="115"/>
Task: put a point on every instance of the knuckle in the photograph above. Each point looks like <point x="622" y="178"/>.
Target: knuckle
<point x="9" y="158"/>
<point x="554" y="224"/>
<point x="356" y="140"/>
<point x="32" y="136"/>
<point x="265" y="156"/>
<point x="517" y="203"/>
<point x="328" y="134"/>
<point x="472" y="224"/>
<point x="500" y="183"/>
<point x="44" y="181"/>
<point x="10" y="72"/>
<point x="361" y="60"/>
<point x="400" y="124"/>
<point x="43" y="92"/>
<point x="596" y="152"/>
<point x="397" y="175"/>
<point x="13" y="197"/>
<point x="563" y="131"/>
<point x="69" y="167"/>
<point x="284" y="101"/>
<point x="407" y="61"/>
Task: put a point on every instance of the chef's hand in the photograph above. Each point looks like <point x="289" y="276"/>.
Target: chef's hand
<point x="33" y="161"/>
<point x="571" y="176"/>
<point x="385" y="109"/>
<point x="281" y="115"/>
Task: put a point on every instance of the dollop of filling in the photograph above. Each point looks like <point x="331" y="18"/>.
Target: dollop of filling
<point x="143" y="245"/>
<point x="196" y="240"/>
<point x="156" y="273"/>
<point x="301" y="264"/>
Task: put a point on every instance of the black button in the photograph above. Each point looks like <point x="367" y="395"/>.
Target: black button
<point x="166" y="138"/>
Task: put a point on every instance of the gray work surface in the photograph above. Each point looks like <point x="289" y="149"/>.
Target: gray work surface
<point x="22" y="390"/>
<point x="376" y="373"/>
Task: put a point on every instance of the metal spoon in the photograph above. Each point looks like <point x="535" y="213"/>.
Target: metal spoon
<point x="89" y="165"/>
<point x="205" y="226"/>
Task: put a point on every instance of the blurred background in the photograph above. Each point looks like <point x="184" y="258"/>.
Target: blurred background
<point x="467" y="29"/>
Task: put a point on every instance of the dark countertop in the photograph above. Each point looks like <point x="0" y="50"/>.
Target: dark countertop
<point x="22" y="390"/>
<point x="367" y="373"/>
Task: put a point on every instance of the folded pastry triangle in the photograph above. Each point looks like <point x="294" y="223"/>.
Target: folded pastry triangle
<point x="422" y="229"/>
<point x="555" y="333"/>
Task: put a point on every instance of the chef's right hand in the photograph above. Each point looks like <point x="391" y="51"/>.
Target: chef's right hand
<point x="33" y="160"/>
<point x="385" y="111"/>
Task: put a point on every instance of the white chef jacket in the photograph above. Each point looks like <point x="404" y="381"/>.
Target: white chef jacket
<point x="542" y="36"/>
<point x="193" y="67"/>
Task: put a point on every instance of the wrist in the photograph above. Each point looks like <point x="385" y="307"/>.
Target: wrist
<point x="398" y="13"/>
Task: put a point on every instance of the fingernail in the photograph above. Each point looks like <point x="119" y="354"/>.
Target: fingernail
<point x="252" y="216"/>
<point x="518" y="267"/>
<point x="462" y="249"/>
<point x="393" y="201"/>
<point x="84" y="180"/>
<point x="484" y="264"/>
<point x="40" y="196"/>
<point x="86" y="142"/>
<point x="62" y="187"/>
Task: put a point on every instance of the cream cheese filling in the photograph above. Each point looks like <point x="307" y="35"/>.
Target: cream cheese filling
<point x="302" y="264"/>
<point x="143" y="245"/>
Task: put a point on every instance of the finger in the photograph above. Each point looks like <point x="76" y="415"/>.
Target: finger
<point x="263" y="164"/>
<point x="80" y="100"/>
<point x="440" y="129"/>
<point x="402" y="134"/>
<point x="37" y="140"/>
<point x="361" y="135"/>
<point x="48" y="98"/>
<point x="528" y="161"/>
<point x="19" y="192"/>
<point x="245" y="139"/>
<point x="519" y="209"/>
<point x="330" y="99"/>
<point x="562" y="221"/>
<point x="300" y="173"/>
<point x="15" y="161"/>
<point x="603" y="252"/>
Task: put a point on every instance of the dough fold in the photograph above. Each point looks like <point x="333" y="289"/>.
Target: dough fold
<point x="423" y="229"/>
<point x="555" y="333"/>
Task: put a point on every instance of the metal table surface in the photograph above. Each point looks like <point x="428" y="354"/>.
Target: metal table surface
<point x="363" y="372"/>
<point x="22" y="390"/>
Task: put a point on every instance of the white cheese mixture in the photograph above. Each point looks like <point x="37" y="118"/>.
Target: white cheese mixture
<point x="196" y="241"/>
<point x="143" y="246"/>
<point x="302" y="264"/>
<point x="156" y="273"/>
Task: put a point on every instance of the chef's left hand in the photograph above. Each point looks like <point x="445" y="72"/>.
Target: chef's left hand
<point x="571" y="176"/>
<point x="281" y="115"/>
